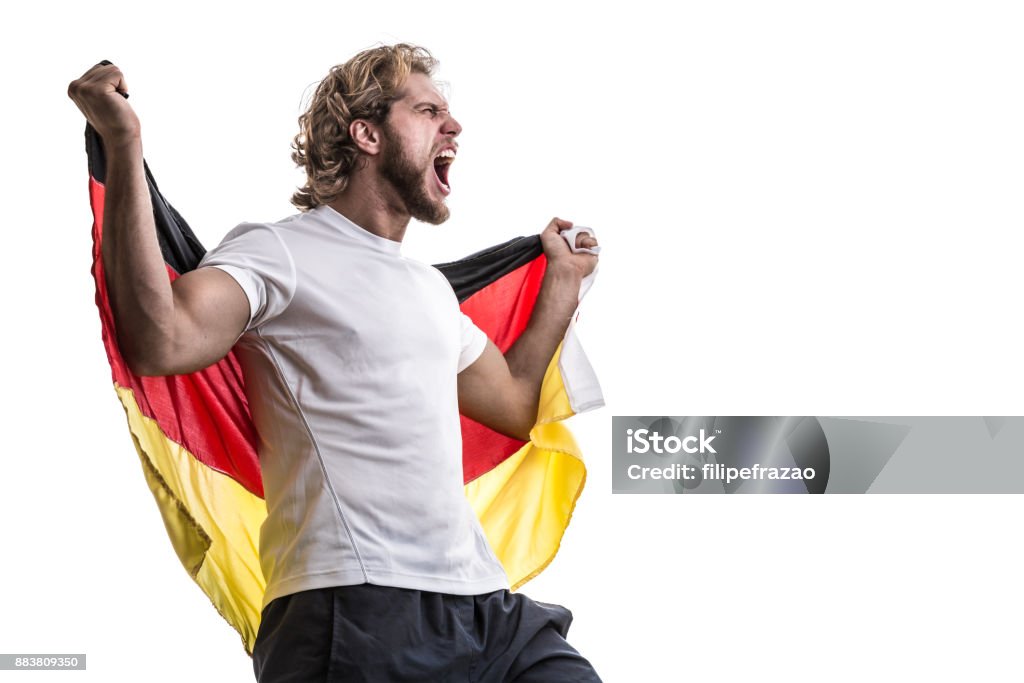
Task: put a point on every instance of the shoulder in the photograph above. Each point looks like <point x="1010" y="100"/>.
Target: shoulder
<point x="437" y="277"/>
<point x="291" y="223"/>
<point x="284" y="235"/>
<point x="254" y="240"/>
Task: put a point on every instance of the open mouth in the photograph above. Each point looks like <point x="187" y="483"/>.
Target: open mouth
<point x="442" y="163"/>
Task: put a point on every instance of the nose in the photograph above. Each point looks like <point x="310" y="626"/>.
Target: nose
<point x="452" y="127"/>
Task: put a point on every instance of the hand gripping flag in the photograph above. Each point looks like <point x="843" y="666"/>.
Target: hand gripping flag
<point x="196" y="440"/>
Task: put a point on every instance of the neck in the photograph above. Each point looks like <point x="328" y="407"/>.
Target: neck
<point x="372" y="209"/>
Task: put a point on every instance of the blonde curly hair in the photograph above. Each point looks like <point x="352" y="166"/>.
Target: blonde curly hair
<point x="364" y="87"/>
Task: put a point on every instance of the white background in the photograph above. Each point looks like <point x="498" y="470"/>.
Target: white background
<point x="806" y="209"/>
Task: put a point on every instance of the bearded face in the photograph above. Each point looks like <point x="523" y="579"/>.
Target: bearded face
<point x="411" y="178"/>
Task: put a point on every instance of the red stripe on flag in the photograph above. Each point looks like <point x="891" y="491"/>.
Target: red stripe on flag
<point x="205" y="411"/>
<point x="502" y="309"/>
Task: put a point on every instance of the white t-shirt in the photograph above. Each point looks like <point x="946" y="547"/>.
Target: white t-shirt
<point x="350" y="359"/>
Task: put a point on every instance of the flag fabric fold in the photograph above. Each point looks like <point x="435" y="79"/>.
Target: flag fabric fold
<point x="197" y="444"/>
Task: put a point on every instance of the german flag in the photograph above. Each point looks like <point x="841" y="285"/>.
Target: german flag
<point x="195" y="437"/>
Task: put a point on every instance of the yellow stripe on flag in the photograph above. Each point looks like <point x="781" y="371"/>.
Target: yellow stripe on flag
<point x="525" y="503"/>
<point x="213" y="522"/>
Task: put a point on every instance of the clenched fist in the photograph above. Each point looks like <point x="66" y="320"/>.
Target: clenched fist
<point x="100" y="93"/>
<point x="559" y="254"/>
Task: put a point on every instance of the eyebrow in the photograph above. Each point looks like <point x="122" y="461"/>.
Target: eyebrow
<point x="428" y="103"/>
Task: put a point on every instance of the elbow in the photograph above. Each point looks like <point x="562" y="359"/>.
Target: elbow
<point x="146" y="367"/>
<point x="522" y="411"/>
<point x="146" y="360"/>
<point x="512" y="420"/>
<point x="523" y="434"/>
<point x="517" y="431"/>
<point x="523" y="422"/>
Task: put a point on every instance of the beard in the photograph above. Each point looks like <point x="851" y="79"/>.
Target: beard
<point x="407" y="179"/>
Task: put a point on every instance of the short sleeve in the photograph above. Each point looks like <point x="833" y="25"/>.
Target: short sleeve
<point x="259" y="260"/>
<point x="474" y="341"/>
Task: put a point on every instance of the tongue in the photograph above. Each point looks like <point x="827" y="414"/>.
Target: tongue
<point x="442" y="173"/>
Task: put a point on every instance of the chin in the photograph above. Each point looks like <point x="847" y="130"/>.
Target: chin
<point x="437" y="217"/>
<point x="425" y="208"/>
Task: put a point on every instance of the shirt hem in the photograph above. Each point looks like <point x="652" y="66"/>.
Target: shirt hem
<point x="356" y="576"/>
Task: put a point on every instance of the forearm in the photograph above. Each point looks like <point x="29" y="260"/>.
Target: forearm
<point x="530" y="356"/>
<point x="137" y="283"/>
<point x="503" y="392"/>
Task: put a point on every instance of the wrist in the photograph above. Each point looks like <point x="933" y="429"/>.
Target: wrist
<point x="565" y="274"/>
<point x="122" y="143"/>
<point x="563" y="281"/>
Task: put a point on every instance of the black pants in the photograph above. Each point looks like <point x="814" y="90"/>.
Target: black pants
<point x="381" y="634"/>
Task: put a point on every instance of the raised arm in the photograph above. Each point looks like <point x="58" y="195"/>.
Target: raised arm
<point x="503" y="392"/>
<point x="161" y="329"/>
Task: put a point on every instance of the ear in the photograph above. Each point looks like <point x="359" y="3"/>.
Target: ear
<point x="366" y="135"/>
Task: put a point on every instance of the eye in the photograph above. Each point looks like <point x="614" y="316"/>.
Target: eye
<point x="433" y="111"/>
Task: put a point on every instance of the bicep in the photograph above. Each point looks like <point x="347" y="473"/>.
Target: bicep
<point x="211" y="310"/>
<point x="490" y="395"/>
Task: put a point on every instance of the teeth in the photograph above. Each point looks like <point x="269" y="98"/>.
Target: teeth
<point x="448" y="153"/>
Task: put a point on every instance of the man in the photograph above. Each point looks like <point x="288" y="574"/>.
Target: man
<point x="357" y="365"/>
